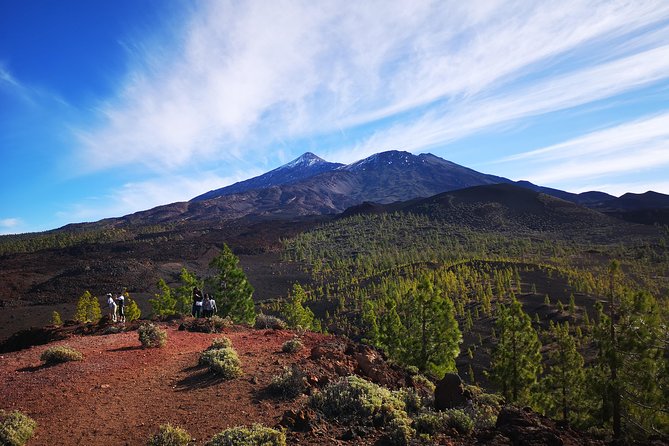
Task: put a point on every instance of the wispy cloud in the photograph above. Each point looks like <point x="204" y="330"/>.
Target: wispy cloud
<point x="632" y="147"/>
<point x="133" y="196"/>
<point x="10" y="225"/>
<point x="249" y="75"/>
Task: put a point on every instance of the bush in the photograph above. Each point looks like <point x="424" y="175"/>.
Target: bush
<point x="60" y="353"/>
<point x="484" y="409"/>
<point x="292" y="346"/>
<point x="150" y="335"/>
<point x="217" y="323"/>
<point x="353" y="398"/>
<point x="256" y="435"/>
<point x="16" y="428"/>
<point x="222" y="361"/>
<point x="436" y="422"/>
<point x="169" y="435"/>
<point x="289" y="384"/>
<point x="220" y="342"/>
<point x="459" y="420"/>
<point x="400" y="432"/>
<point x="430" y="422"/>
<point x="267" y="321"/>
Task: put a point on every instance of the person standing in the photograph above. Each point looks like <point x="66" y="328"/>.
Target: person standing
<point x="197" y="302"/>
<point x="212" y="304"/>
<point x="206" y="306"/>
<point x="121" y="306"/>
<point x="112" y="307"/>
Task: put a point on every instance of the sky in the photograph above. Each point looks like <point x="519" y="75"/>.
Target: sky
<point x="111" y="107"/>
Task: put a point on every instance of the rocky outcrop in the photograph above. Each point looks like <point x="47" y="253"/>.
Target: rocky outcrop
<point x="450" y="392"/>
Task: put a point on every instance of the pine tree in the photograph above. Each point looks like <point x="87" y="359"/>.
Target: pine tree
<point x="432" y="335"/>
<point x="132" y="311"/>
<point x="391" y="330"/>
<point x="295" y="313"/>
<point x="516" y="361"/>
<point x="233" y="292"/>
<point x="184" y="293"/>
<point x="370" y="323"/>
<point x="94" y="313"/>
<point x="81" y="313"/>
<point x="164" y="304"/>
<point x="632" y="362"/>
<point x="88" y="308"/>
<point x="562" y="387"/>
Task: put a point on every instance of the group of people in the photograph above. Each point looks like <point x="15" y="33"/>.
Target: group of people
<point x="203" y="304"/>
<point x="116" y="307"/>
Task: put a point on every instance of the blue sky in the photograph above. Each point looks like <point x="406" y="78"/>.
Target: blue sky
<point x="107" y="108"/>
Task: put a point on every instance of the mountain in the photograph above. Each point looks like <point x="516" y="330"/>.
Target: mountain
<point x="383" y="178"/>
<point x="647" y="208"/>
<point x="502" y="207"/>
<point x="303" y="167"/>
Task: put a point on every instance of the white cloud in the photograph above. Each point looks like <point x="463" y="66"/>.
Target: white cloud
<point x="137" y="196"/>
<point x="248" y="75"/>
<point x="10" y="225"/>
<point x="638" y="146"/>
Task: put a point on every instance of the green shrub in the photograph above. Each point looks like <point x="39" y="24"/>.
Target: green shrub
<point x="60" y="353"/>
<point x="267" y="321"/>
<point x="169" y="435"/>
<point x="459" y="420"/>
<point x="430" y="422"/>
<point x="222" y="361"/>
<point x="484" y="410"/>
<point x="217" y="323"/>
<point x="352" y="398"/>
<point x="220" y="342"/>
<point x="16" y="428"/>
<point x="292" y="346"/>
<point x="150" y="335"/>
<point x="400" y="432"/>
<point x="256" y="435"/>
<point x="132" y="311"/>
<point x="289" y="384"/>
<point x="436" y="422"/>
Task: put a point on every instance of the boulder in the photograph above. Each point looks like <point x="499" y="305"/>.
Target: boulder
<point x="450" y="392"/>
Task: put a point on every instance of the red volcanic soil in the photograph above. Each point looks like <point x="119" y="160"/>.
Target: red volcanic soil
<point x="120" y="393"/>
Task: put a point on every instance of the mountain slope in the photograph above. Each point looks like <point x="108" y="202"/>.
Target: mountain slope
<point x="303" y="167"/>
<point x="504" y="207"/>
<point x="385" y="177"/>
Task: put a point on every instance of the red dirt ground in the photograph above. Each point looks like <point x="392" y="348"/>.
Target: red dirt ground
<point x="120" y="393"/>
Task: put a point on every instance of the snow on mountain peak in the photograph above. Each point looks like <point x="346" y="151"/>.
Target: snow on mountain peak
<point x="306" y="160"/>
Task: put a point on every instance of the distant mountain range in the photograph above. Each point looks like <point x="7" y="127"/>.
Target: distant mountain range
<point x="310" y="185"/>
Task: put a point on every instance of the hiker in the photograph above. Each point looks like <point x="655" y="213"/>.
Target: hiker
<point x="197" y="302"/>
<point x="212" y="303"/>
<point x="206" y="306"/>
<point x="121" y="306"/>
<point x="112" y="307"/>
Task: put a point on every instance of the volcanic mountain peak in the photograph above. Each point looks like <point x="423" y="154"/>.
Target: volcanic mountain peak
<point x="299" y="169"/>
<point x="388" y="157"/>
<point x="305" y="160"/>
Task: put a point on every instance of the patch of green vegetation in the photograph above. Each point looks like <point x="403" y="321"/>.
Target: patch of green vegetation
<point x="292" y="346"/>
<point x="256" y="435"/>
<point x="150" y="335"/>
<point x="222" y="361"/>
<point x="169" y="435"/>
<point x="290" y="383"/>
<point x="61" y="353"/>
<point x="16" y="428"/>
